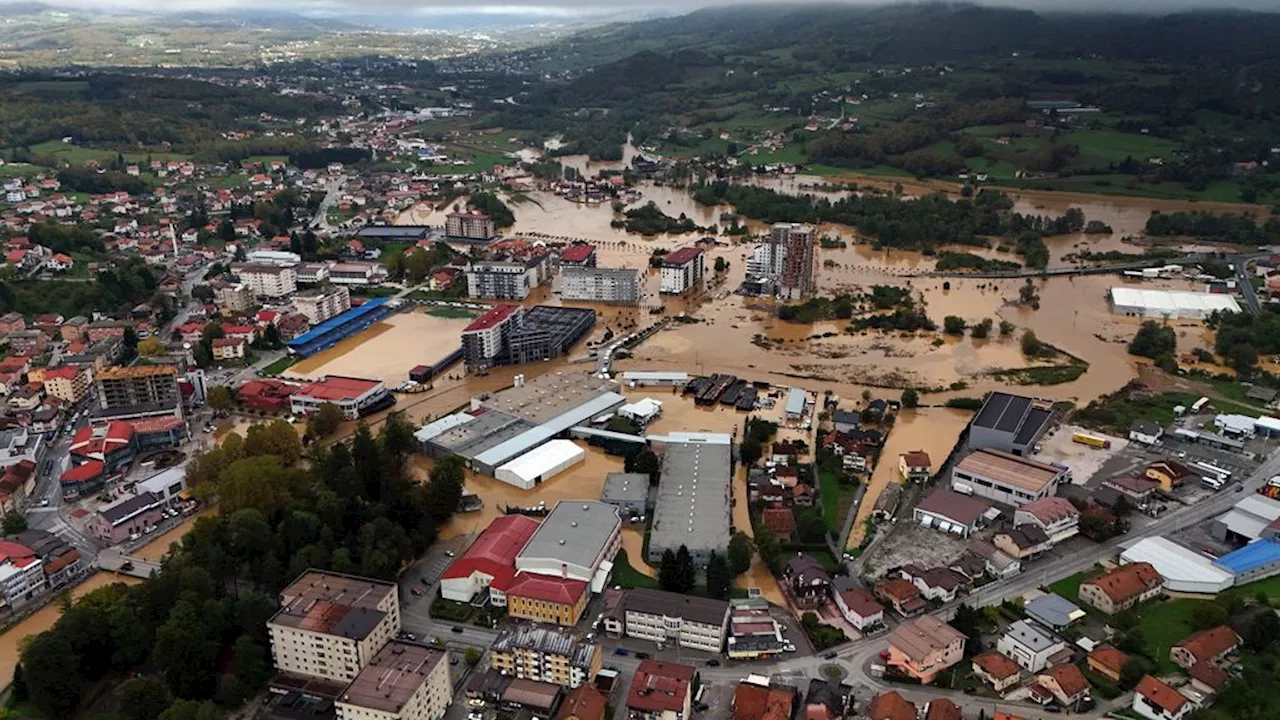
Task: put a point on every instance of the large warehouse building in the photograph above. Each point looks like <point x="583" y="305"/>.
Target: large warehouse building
<point x="541" y="463"/>
<point x="1169" y="304"/>
<point x="693" y="496"/>
<point x="354" y="396"/>
<point x="505" y="425"/>
<point x="1012" y="423"/>
<point x="1183" y="570"/>
<point x="490" y="562"/>
<point x="576" y="541"/>
<point x="337" y="328"/>
<point x="1006" y="478"/>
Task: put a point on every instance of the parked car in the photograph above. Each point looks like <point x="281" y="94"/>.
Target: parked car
<point x="127" y="565"/>
<point x="620" y="651"/>
<point x="457" y="629"/>
<point x="829" y="655"/>
<point x="713" y="663"/>
<point x="642" y="656"/>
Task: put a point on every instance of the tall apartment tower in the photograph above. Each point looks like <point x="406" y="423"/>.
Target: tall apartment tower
<point x="793" y="246"/>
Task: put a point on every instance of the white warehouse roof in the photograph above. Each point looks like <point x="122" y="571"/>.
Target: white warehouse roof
<point x="1170" y="303"/>
<point x="1184" y="570"/>
<point x="543" y="461"/>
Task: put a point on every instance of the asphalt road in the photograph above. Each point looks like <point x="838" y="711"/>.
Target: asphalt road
<point x="1246" y="287"/>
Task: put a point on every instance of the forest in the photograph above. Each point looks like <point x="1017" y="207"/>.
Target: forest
<point x="190" y="643"/>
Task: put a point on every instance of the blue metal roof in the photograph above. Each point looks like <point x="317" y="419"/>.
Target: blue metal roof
<point x="1250" y="557"/>
<point x="337" y="321"/>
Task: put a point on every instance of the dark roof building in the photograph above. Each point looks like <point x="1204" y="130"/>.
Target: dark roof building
<point x="1011" y="423"/>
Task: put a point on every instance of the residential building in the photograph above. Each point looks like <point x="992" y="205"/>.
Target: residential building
<point x="267" y="395"/>
<point x="139" y="390"/>
<point x="128" y="518"/>
<point x="1063" y="683"/>
<point x="756" y="699"/>
<point x="353" y="396"/>
<point x="22" y="575"/>
<point x="780" y="521"/>
<point x="1107" y="661"/>
<point x="808" y="584"/>
<point x="229" y="348"/>
<point x="753" y="632"/>
<point x="469" y="225"/>
<point x="693" y="497"/>
<point x="1010" y="423"/>
<point x="269" y="281"/>
<point x="311" y="273"/>
<point x="1121" y="588"/>
<point x="661" y="691"/>
<point x="1207" y="679"/>
<point x="68" y="383"/>
<point x="618" y="286"/>
<point x="488" y="564"/>
<point x="1144" y="431"/>
<point x="1022" y="542"/>
<point x="997" y="563"/>
<point x="235" y="298"/>
<point x="949" y="511"/>
<point x="1210" y="646"/>
<point x="664" y="617"/>
<point x="942" y="709"/>
<point x="486" y="337"/>
<point x="323" y="303"/>
<point x="357" y="273"/>
<point x="860" y="608"/>
<point x="60" y="561"/>
<point x="510" y="335"/>
<point x="925" y="646"/>
<point x="547" y="599"/>
<point x="936" y="583"/>
<point x="578" y="254"/>
<point x="402" y="681"/>
<point x="785" y="259"/>
<point x="996" y="670"/>
<point x="1169" y="473"/>
<point x="1157" y="700"/>
<point x="506" y="279"/>
<point x="1053" y="611"/>
<point x="1029" y="646"/>
<point x="585" y="702"/>
<point x="1055" y="516"/>
<point x="330" y="626"/>
<point x="915" y="466"/>
<point x="827" y="700"/>
<point x="1006" y="478"/>
<point x="903" y="595"/>
<point x="891" y="706"/>
<point x="682" y="271"/>
<point x="545" y="654"/>
<point x="1137" y="488"/>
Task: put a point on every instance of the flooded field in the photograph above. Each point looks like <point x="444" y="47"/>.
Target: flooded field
<point x="388" y="349"/>
<point x="933" y="430"/>
<point x="159" y="545"/>
<point x="43" y="619"/>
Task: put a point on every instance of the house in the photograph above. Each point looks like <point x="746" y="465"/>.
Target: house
<point x="890" y="706"/>
<point x="923" y="647"/>
<point x="936" y="583"/>
<point x="1107" y="661"/>
<point x="860" y="608"/>
<point x="1054" y="515"/>
<point x="1030" y="646"/>
<point x="229" y="348"/>
<point x="1145" y="431"/>
<point x="1022" y="542"/>
<point x="1206" y="678"/>
<point x="661" y="691"/>
<point x="845" y="421"/>
<point x="903" y="595"/>
<point x="1053" y="611"/>
<point x="1209" y="646"/>
<point x="755" y="701"/>
<point x="584" y="702"/>
<point x="997" y="670"/>
<point x="780" y="520"/>
<point x="827" y="700"/>
<point x="998" y="563"/>
<point x="1169" y="473"/>
<point x="1137" y="488"/>
<point x="915" y="466"/>
<point x="60" y="262"/>
<point x="807" y="582"/>
<point x="784" y="453"/>
<point x="949" y="511"/>
<point x="1063" y="683"/>
<point x="1157" y="700"/>
<point x="1122" y="588"/>
<point x="942" y="709"/>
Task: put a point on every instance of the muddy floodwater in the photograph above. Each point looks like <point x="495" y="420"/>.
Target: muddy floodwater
<point x="388" y="349"/>
<point x="44" y="618"/>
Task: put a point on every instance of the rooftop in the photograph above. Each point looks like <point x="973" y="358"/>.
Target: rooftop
<point x="333" y="603"/>
<point x="660" y="687"/>
<point x="1054" y="609"/>
<point x="1009" y="469"/>
<point x="1208" y="645"/>
<point x="392" y="677"/>
<point x="1161" y="695"/>
<point x="1029" y="635"/>
<point x="547" y="640"/>
<point x="577" y="252"/>
<point x="494" y="552"/>
<point x="679" y="257"/>
<point x="625" y="488"/>
<point x="136" y="371"/>
<point x="492" y="318"/>
<point x="693" y="497"/>
<point x="997" y="664"/>
<point x="548" y="396"/>
<point x="1126" y="581"/>
<point x="1050" y="510"/>
<point x="576" y="532"/>
<point x="337" y="388"/>
<point x="131" y="507"/>
<point x="954" y="506"/>
<point x="707" y="611"/>
<point x="919" y="637"/>
<point x="337" y="321"/>
<point x="563" y="591"/>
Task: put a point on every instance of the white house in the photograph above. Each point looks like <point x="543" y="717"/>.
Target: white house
<point x="860" y="608"/>
<point x="1029" y="646"/>
<point x="60" y="262"/>
<point x="1146" y="432"/>
<point x="1157" y="700"/>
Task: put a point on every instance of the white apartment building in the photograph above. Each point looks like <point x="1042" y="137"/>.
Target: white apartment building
<point x="324" y="303"/>
<point x="665" y="617"/>
<point x="682" y="271"/>
<point x="235" y="298"/>
<point x="265" y="280"/>
<point x="546" y="654"/>
<point x="331" y="626"/>
<point x="506" y="279"/>
<point x="471" y="225"/>
<point x="1029" y="645"/>
<point x="312" y="273"/>
<point x="401" y="682"/>
<point x="606" y="285"/>
<point x="21" y="578"/>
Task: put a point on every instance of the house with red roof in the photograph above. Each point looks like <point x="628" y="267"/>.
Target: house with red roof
<point x="579" y="255"/>
<point x="267" y="395"/>
<point x="780" y="520"/>
<point x="489" y="564"/>
<point x="547" y="599"/>
<point x="22" y="576"/>
<point x="229" y="348"/>
<point x="111" y="444"/>
<point x="60" y="262"/>
<point x="661" y="691"/>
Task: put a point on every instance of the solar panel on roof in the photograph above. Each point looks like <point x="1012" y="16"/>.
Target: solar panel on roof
<point x="1013" y="414"/>
<point x="1035" y="419"/>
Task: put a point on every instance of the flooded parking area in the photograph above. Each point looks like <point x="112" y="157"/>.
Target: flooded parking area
<point x="388" y="349"/>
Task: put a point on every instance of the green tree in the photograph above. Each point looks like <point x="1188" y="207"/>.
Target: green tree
<point x="395" y="262"/>
<point x="741" y="548"/>
<point x="14" y="523"/>
<point x="1153" y="340"/>
<point x="262" y="483"/>
<point x="324" y="421"/>
<point x="1006" y="328"/>
<point x="142" y="698"/>
<point x="444" y="490"/>
<point x="1032" y="347"/>
<point x="647" y="462"/>
<point x="219" y="397"/>
<point x="1131" y="672"/>
<point x="982" y="330"/>
<point x="472" y="656"/>
<point x="969" y="621"/>
<point x="191" y="710"/>
<point x="1208" y="615"/>
<point x="811" y="527"/>
<point x="686" y="572"/>
<point x="769" y="549"/>
<point x="669" y="572"/>
<point x="910" y="398"/>
<point x="953" y="325"/>
<point x="151" y="347"/>
<point x="718" y="577"/>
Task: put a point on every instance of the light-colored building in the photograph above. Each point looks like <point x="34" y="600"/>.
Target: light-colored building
<point x="330" y="625"/>
<point x="1122" y="588"/>
<point x="354" y="396"/>
<point x="577" y="540"/>
<point x="489" y="562"/>
<point x="235" y="298"/>
<point x="1006" y="478"/>
<point x="270" y="281"/>
<point x="664" y="617"/>
<point x="1169" y="304"/>
<point x="545" y="654"/>
<point x="547" y="599"/>
<point x="1056" y="516"/>
<point x="693" y="497"/>
<point x="228" y="348"/>
<point x="22" y="575"/>
<point x="68" y="383"/>
<point x="506" y="279"/>
<point x="540" y="464"/>
<point x="143" y="387"/>
<point x="620" y="286"/>
<point x="401" y="682"/>
<point x="915" y="465"/>
<point x="486" y="337"/>
<point x="323" y="303"/>
<point x="925" y="646"/>
<point x="469" y="225"/>
<point x="1029" y="645"/>
<point x="1065" y="684"/>
<point x="1157" y="700"/>
<point x="860" y="608"/>
<point x="682" y="271"/>
<point x="997" y="670"/>
<point x="1211" y="646"/>
<point x="1010" y="423"/>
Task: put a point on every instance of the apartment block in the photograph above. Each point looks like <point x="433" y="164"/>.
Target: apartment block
<point x="620" y="286"/>
<point x="321" y="304"/>
<point x="666" y="617"/>
<point x="401" y="682"/>
<point x="545" y="654"/>
<point x="331" y="625"/>
<point x="267" y="280"/>
<point x="470" y="225"/>
<point x="121" y="388"/>
<point x="235" y="298"/>
<point x="682" y="271"/>
<point x="506" y="279"/>
<point x="68" y="383"/>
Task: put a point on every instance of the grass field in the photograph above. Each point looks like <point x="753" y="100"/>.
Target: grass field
<point x="629" y="577"/>
<point x="451" y="313"/>
<point x="1164" y="624"/>
<point x="1099" y="147"/>
<point x="280" y="365"/>
<point x="1069" y="587"/>
<point x="829" y="486"/>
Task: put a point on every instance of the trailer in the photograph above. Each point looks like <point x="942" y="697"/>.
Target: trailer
<point x="1092" y="440"/>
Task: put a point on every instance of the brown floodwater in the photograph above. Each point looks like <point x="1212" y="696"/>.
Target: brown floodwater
<point x="933" y="430"/>
<point x="388" y="349"/>
<point x="44" y="618"/>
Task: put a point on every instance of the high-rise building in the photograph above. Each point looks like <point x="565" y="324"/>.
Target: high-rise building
<point x="402" y="682"/>
<point x="682" y="270"/>
<point x="332" y="625"/>
<point x="485" y="339"/>
<point x="470" y="225"/>
<point x="511" y="335"/>
<point x="789" y="259"/>
<point x="506" y="279"/>
<point x="605" y="285"/>
<point x="267" y="280"/>
<point x="144" y="390"/>
<point x="323" y="303"/>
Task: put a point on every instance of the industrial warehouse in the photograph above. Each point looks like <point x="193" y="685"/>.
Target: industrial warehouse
<point x="1170" y="304"/>
<point x="504" y="426"/>
<point x="693" y="496"/>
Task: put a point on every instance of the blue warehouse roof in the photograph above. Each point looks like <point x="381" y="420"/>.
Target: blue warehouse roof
<point x="1250" y="557"/>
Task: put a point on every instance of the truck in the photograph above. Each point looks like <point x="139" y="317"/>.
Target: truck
<point x="1091" y="440"/>
<point x="1272" y="488"/>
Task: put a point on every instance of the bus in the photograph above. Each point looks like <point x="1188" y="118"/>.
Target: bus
<point x="1213" y="482"/>
<point x="1199" y="404"/>
<point x="1213" y="471"/>
<point x="1091" y="440"/>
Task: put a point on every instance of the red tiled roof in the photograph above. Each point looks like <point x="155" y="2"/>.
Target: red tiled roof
<point x="16" y="553"/>
<point x="758" y="702"/>
<point x="780" y="520"/>
<point x="1208" y="674"/>
<point x="1209" y="644"/>
<point x="917" y="459"/>
<point x="660" y="686"/>
<point x="1127" y="581"/>
<point x="492" y="318"/>
<point x="891" y="706"/>
<point x="548" y="589"/>
<point x="1109" y="658"/>
<point x="898" y="589"/>
<point x="1069" y="679"/>
<point x="577" y="252"/>
<point x="82" y="473"/>
<point x="943" y="709"/>
<point x="147" y="426"/>
<point x="681" y="256"/>
<point x="996" y="664"/>
<point x="229" y="342"/>
<point x="1160" y="694"/>
<point x="337" y="387"/>
<point x="494" y="552"/>
<point x="1050" y="509"/>
<point x="96" y="442"/>
<point x="860" y="602"/>
<point x="584" y="702"/>
<point x="69" y="372"/>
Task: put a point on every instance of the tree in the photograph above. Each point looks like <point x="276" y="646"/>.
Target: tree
<point x="444" y="490"/>
<point x="151" y="347"/>
<point x="981" y="330"/>
<point x="325" y="420"/>
<point x="810" y="525"/>
<point x="262" y="483"/>
<point x="721" y="265"/>
<point x="718" y="577"/>
<point x="1006" y="328"/>
<point x="1208" y="615"/>
<point x="395" y="263"/>
<point x="1131" y="672"/>
<point x="14" y="523"/>
<point x="647" y="462"/>
<point x="219" y="397"/>
<point x="969" y="621"/>
<point x="953" y="325"/>
<point x="668" y="573"/>
<point x="202" y="292"/>
<point x="910" y="398"/>
<point x="768" y="548"/>
<point x="686" y="572"/>
<point x="1262" y="632"/>
<point x="1153" y="340"/>
<point x="142" y="698"/>
<point x="740" y="551"/>
<point x="1028" y="295"/>
<point x="471" y="656"/>
<point x="1032" y="347"/>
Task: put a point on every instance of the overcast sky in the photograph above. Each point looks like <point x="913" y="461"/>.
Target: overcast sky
<point x="553" y="8"/>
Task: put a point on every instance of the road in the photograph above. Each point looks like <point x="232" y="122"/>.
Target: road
<point x="1246" y="286"/>
<point x="45" y="507"/>
<point x="332" y="191"/>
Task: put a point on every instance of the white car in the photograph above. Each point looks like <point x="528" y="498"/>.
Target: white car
<point x="135" y="536"/>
